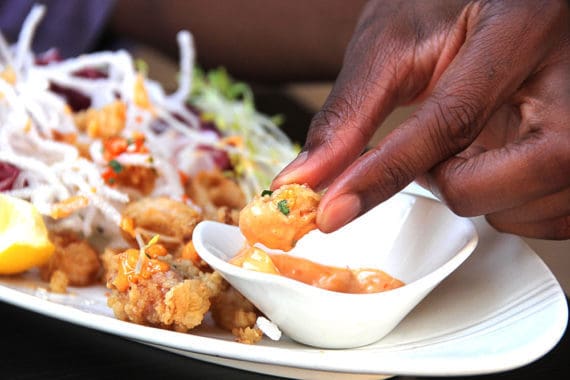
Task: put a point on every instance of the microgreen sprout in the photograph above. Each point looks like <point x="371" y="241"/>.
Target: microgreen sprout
<point x="283" y="207"/>
<point x="116" y="166"/>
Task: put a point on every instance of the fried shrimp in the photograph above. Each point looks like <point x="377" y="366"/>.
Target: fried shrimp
<point x="279" y="219"/>
<point x="174" y="221"/>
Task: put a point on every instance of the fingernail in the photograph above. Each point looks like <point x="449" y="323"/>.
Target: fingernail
<point x="287" y="175"/>
<point x="339" y="212"/>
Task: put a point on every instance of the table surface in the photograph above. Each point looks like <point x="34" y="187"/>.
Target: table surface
<point x="39" y="347"/>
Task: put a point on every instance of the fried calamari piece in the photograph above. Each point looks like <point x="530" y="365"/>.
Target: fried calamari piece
<point x="74" y="257"/>
<point x="104" y="122"/>
<point x="180" y="307"/>
<point x="152" y="302"/>
<point x="110" y="263"/>
<point x="280" y="218"/>
<point x="174" y="221"/>
<point x="232" y="311"/>
<point x="228" y="215"/>
<point x="212" y="190"/>
<point x="139" y="178"/>
<point x="163" y="292"/>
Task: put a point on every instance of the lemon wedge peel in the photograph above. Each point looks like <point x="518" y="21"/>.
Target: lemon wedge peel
<point x="24" y="241"/>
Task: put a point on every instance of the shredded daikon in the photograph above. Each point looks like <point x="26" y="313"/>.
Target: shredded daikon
<point x="268" y="328"/>
<point x="60" y="153"/>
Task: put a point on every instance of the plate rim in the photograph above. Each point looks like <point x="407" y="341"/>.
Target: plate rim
<point x="306" y="357"/>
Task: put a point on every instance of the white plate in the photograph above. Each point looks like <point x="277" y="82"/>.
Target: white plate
<point x="500" y="310"/>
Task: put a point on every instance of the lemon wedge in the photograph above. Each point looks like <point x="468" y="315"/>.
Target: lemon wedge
<point x="24" y="241"/>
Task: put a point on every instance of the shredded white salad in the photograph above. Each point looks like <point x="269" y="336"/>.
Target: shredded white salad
<point x="175" y="135"/>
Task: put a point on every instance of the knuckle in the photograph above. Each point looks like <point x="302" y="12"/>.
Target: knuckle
<point x="340" y="109"/>
<point x="389" y="176"/>
<point x="341" y="114"/>
<point x="398" y="177"/>
<point x="323" y="125"/>
<point x="454" y="124"/>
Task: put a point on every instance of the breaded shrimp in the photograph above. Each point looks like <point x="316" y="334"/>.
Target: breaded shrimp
<point x="279" y="219"/>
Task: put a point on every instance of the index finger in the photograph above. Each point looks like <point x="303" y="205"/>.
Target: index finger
<point x="377" y="75"/>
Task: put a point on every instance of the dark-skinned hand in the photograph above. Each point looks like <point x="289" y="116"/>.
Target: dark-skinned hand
<point x="490" y="135"/>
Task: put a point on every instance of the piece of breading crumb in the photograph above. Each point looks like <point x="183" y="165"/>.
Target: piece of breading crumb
<point x="248" y="335"/>
<point x="58" y="282"/>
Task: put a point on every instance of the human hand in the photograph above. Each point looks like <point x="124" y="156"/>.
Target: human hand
<point x="491" y="135"/>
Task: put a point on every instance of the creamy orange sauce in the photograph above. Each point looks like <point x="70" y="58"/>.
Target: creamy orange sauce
<point x="344" y="280"/>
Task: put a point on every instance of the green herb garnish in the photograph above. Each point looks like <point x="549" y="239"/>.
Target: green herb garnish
<point x="266" y="192"/>
<point x="283" y="207"/>
<point x="116" y="166"/>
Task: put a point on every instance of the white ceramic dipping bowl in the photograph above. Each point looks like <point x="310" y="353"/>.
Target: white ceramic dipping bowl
<point x="415" y="239"/>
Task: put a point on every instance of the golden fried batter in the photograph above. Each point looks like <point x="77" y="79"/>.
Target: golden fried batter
<point x="228" y="215"/>
<point x="211" y="190"/>
<point x="231" y="310"/>
<point x="248" y="335"/>
<point x="58" y="282"/>
<point x="75" y="258"/>
<point x="174" y="221"/>
<point x="104" y="122"/>
<point x="139" y="178"/>
<point x="109" y="263"/>
<point x="185" y="305"/>
<point x="173" y="295"/>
